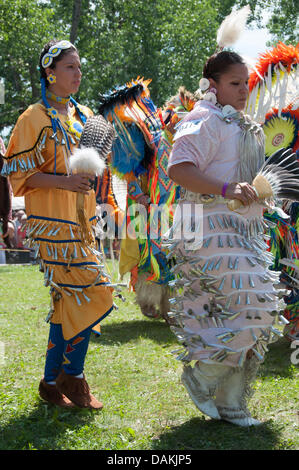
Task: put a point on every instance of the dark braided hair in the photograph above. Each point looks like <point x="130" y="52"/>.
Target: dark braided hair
<point x="55" y="59"/>
<point x="220" y="63"/>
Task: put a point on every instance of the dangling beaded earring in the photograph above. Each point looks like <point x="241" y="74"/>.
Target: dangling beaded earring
<point x="211" y="96"/>
<point x="51" y="78"/>
<point x="204" y="85"/>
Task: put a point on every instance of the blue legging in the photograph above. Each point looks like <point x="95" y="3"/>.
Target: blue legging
<point x="66" y="355"/>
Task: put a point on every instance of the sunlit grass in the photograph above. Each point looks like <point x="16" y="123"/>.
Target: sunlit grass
<point x="131" y="369"/>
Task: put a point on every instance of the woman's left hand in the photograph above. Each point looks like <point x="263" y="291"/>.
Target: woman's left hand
<point x="244" y="192"/>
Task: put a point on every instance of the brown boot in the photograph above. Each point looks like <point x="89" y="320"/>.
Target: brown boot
<point x="50" y="394"/>
<point x="77" y="390"/>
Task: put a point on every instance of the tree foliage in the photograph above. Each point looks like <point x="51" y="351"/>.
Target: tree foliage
<point x="284" y="21"/>
<point x="165" y="40"/>
<point x="24" y="27"/>
<point x="280" y="17"/>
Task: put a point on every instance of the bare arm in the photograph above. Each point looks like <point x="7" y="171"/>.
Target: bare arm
<point x="190" y="177"/>
<point x="78" y="182"/>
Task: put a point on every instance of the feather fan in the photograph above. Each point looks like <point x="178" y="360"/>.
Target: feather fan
<point x="278" y="178"/>
<point x="89" y="158"/>
<point x="87" y="161"/>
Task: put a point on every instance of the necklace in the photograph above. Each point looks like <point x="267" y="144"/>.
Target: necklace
<point x="57" y="99"/>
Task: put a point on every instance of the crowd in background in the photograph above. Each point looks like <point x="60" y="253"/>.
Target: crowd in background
<point x="16" y="232"/>
<point x="15" y="236"/>
<point x="12" y="220"/>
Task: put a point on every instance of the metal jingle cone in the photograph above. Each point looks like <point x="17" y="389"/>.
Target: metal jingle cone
<point x="242" y="358"/>
<point x="211" y="223"/>
<point x="207" y="242"/>
<point x="226" y="221"/>
<point x="229" y="242"/>
<point x="219" y="262"/>
<point x="220" y="242"/>
<point x="238" y="241"/>
<point x="233" y="316"/>
<point x="220" y="222"/>
<point x="250" y="280"/>
<point x="254" y="337"/>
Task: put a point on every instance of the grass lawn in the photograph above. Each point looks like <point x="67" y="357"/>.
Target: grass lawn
<point x="132" y="370"/>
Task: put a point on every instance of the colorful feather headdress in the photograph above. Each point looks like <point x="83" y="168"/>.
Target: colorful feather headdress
<point x="142" y="149"/>
<point x="137" y="124"/>
<point x="274" y="82"/>
<point x="175" y="109"/>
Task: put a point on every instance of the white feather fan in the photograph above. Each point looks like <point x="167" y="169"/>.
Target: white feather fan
<point x="88" y="161"/>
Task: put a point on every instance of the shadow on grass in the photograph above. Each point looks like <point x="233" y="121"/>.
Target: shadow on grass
<point x="42" y="428"/>
<point x="127" y="331"/>
<point x="277" y="361"/>
<point x="207" y="434"/>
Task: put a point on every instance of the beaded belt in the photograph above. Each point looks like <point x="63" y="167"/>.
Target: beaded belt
<point x="186" y="195"/>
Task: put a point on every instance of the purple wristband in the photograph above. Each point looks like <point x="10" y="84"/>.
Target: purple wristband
<point x="224" y="188"/>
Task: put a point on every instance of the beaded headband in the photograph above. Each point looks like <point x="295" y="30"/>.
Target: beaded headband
<point x="54" y="51"/>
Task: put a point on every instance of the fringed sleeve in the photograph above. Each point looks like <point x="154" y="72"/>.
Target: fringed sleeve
<point x="24" y="156"/>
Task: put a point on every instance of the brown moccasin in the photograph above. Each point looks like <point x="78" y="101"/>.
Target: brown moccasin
<point x="51" y="394"/>
<point x="77" y="390"/>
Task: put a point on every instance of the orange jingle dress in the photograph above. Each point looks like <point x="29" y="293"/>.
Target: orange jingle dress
<point x="81" y="295"/>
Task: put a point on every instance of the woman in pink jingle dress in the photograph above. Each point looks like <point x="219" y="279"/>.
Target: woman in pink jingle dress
<point x="226" y="300"/>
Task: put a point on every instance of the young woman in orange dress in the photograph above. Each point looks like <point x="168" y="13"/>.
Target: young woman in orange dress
<point x="37" y="162"/>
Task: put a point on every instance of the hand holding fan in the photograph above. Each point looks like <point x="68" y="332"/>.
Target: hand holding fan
<point x="278" y="178"/>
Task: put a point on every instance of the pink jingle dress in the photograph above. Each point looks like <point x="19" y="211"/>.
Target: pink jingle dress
<point x="226" y="301"/>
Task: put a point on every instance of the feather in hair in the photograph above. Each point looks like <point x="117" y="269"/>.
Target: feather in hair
<point x="232" y="27"/>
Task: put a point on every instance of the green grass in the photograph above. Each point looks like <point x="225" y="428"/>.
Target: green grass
<point x="131" y="369"/>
